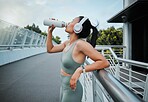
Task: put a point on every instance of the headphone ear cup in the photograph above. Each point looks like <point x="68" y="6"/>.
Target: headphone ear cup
<point x="78" y="28"/>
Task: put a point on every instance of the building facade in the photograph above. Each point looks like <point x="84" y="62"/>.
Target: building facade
<point x="134" y="17"/>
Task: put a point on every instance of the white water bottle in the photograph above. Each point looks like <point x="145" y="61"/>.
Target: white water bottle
<point x="56" y="23"/>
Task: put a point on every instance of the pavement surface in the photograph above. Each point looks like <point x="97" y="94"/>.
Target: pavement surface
<point x="33" y="79"/>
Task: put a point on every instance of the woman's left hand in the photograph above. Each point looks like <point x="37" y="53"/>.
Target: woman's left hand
<point x="74" y="78"/>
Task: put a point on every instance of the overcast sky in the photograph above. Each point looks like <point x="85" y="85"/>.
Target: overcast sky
<point x="24" y="12"/>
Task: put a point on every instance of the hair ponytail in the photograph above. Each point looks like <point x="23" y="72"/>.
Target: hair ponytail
<point x="87" y="26"/>
<point x="94" y="36"/>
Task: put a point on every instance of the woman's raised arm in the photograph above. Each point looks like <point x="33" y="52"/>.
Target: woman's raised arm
<point x="50" y="47"/>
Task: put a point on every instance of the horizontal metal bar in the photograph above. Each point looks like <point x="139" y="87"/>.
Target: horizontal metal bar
<point x="21" y="45"/>
<point x="109" y="46"/>
<point x="121" y="67"/>
<point x="131" y="62"/>
<point x="132" y="77"/>
<point x="135" y="63"/>
<point x="141" y="93"/>
<point x="118" y="91"/>
<point x="134" y="84"/>
<point x="103" y="91"/>
<point x="124" y="79"/>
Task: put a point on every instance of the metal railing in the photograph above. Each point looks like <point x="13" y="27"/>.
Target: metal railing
<point x="17" y="43"/>
<point x="108" y="89"/>
<point x="123" y="70"/>
<point x="12" y="37"/>
<point x="117" y="91"/>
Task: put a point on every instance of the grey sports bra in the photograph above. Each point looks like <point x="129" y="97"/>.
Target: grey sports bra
<point x="68" y="63"/>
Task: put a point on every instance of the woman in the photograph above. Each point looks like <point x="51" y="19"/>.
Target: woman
<point x="75" y="51"/>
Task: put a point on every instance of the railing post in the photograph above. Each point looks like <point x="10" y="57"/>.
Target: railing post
<point x="124" y="53"/>
<point x="102" y="52"/>
<point x="13" y="38"/>
<point x="94" y="87"/>
<point x="145" y="97"/>
<point x="44" y="42"/>
<point x="24" y="39"/>
<point x="36" y="43"/>
<point x="130" y="79"/>
<point x="41" y="39"/>
<point x="117" y="71"/>
<point x="32" y="38"/>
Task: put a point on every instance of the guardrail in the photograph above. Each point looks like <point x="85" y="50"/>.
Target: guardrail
<point x="121" y="78"/>
<point x="12" y="36"/>
<point x="123" y="70"/>
<point x="118" y="91"/>
<point x="17" y="43"/>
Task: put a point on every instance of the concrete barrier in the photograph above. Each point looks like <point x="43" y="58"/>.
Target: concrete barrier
<point x="8" y="56"/>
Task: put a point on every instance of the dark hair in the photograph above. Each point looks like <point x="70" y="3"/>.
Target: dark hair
<point x="86" y="31"/>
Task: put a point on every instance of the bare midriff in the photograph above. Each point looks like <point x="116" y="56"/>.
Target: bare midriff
<point x="64" y="73"/>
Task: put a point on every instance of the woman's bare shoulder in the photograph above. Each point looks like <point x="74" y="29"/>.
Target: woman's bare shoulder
<point x="82" y="44"/>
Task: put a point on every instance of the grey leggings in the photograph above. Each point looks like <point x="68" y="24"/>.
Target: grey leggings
<point x="67" y="94"/>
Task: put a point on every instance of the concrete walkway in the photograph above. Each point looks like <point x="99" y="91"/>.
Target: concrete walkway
<point x="34" y="79"/>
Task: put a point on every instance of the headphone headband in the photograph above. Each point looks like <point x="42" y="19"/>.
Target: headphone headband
<point x="83" y="20"/>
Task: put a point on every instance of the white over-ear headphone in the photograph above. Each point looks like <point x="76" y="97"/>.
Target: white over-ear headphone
<point x="78" y="26"/>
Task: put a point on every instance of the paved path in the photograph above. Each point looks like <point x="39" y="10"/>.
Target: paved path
<point x="34" y="79"/>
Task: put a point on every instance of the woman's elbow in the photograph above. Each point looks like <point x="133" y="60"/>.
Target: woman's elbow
<point x="49" y="51"/>
<point x="104" y="64"/>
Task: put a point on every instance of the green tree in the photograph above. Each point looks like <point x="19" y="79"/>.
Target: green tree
<point x="44" y="33"/>
<point x="110" y="36"/>
<point x="33" y="28"/>
<point x="56" y="39"/>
